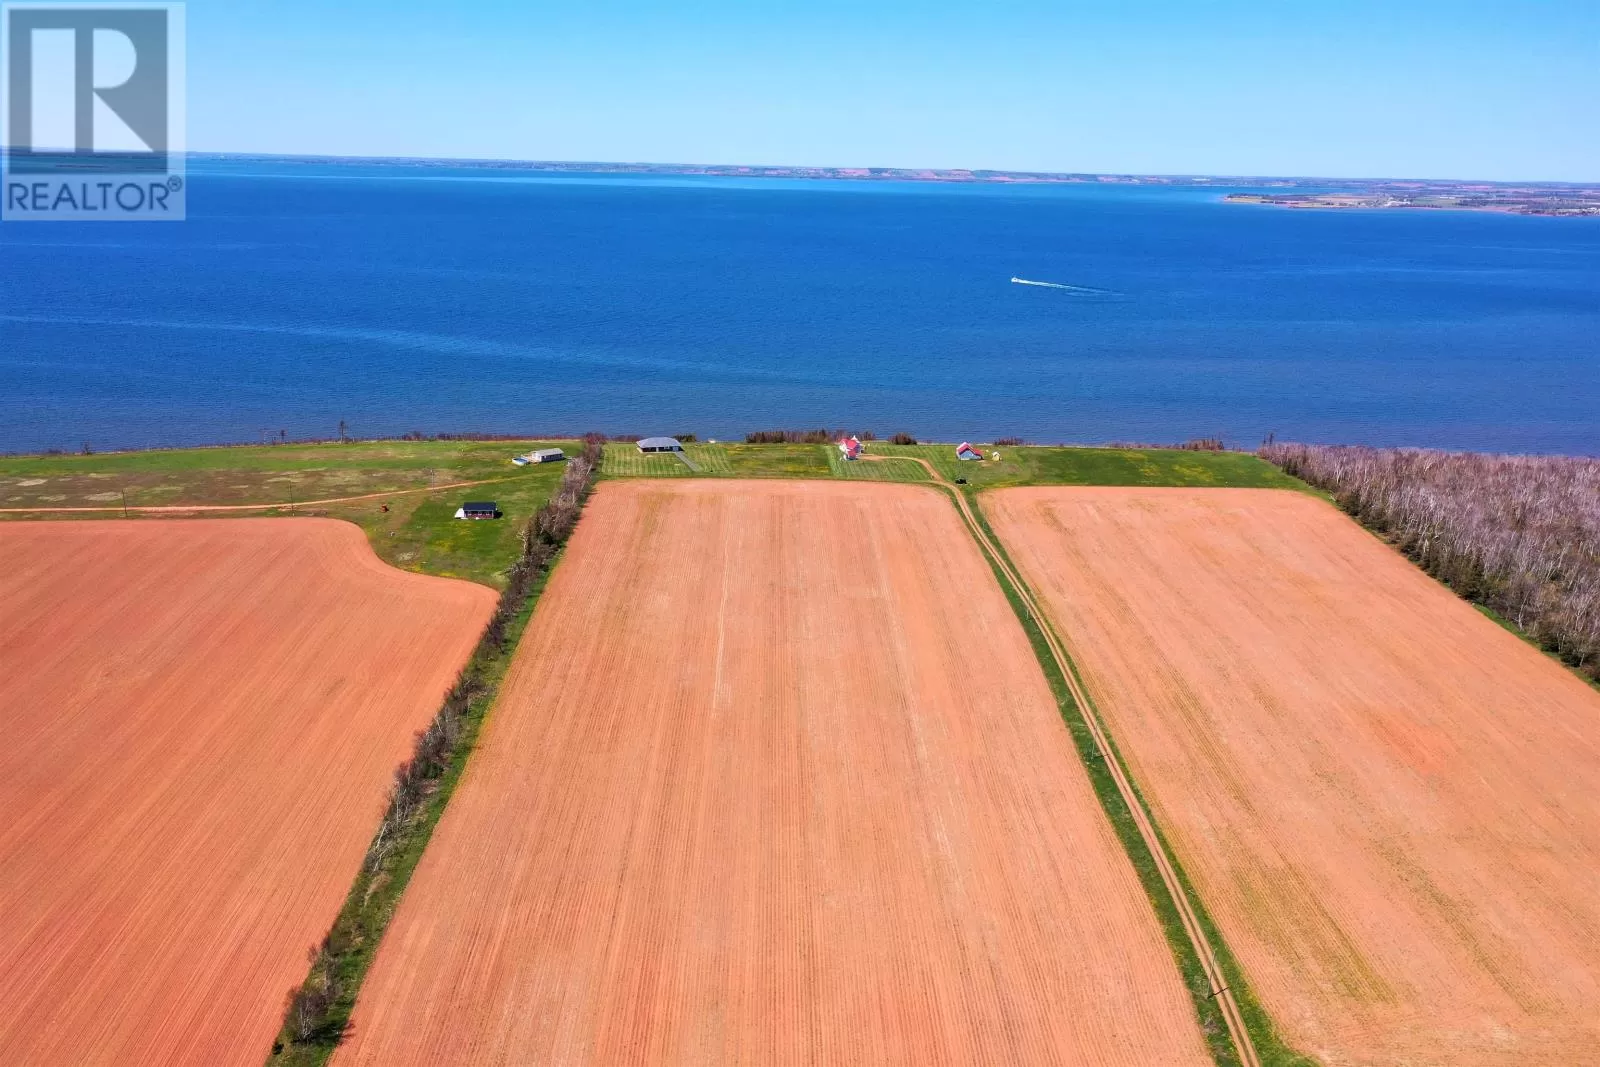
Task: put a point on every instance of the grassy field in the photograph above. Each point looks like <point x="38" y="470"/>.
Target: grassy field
<point x="1025" y="465"/>
<point x="1144" y="467"/>
<point x="874" y="470"/>
<point x="418" y="532"/>
<point x="293" y="474"/>
<point x="624" y="460"/>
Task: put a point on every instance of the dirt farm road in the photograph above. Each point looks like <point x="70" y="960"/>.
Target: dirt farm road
<point x="1169" y="875"/>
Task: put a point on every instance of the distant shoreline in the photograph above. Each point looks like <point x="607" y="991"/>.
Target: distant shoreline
<point x="1323" y="186"/>
<point x="1579" y="203"/>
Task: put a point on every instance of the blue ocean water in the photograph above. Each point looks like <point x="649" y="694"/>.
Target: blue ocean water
<point x="439" y="299"/>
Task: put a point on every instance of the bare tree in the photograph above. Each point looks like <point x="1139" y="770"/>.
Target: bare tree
<point x="1518" y="534"/>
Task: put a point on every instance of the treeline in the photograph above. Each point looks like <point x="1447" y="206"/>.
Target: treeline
<point x="417" y="435"/>
<point x="791" y="437"/>
<point x="1518" y="534"/>
<point x="319" y="1009"/>
<point x="1193" y="444"/>
<point x="818" y="437"/>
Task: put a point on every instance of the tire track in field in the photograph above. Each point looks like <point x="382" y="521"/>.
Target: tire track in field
<point x="1147" y="831"/>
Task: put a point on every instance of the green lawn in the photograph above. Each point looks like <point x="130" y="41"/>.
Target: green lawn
<point x="1028" y="465"/>
<point x="419" y="531"/>
<point x="899" y="470"/>
<point x="778" y="461"/>
<point x="1155" y="466"/>
<point x="1024" y="465"/>
<point x="624" y="460"/>
<point x="710" y="458"/>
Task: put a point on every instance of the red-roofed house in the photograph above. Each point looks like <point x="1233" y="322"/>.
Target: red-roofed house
<point x="851" y="448"/>
<point x="966" y="451"/>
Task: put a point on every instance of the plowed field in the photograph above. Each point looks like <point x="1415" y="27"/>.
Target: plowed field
<point x="1390" y="804"/>
<point x="775" y="779"/>
<point x="200" y="721"/>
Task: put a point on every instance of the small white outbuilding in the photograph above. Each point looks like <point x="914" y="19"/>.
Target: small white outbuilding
<point x="540" y="455"/>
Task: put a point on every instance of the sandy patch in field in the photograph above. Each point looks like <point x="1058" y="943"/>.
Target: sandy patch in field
<point x="775" y="779"/>
<point x="1390" y="805"/>
<point x="201" y="719"/>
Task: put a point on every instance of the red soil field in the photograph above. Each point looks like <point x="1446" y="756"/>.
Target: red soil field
<point x="775" y="779"/>
<point x="200" y="721"/>
<point x="1390" y="805"/>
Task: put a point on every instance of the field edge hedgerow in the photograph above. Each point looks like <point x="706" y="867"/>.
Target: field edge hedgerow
<point x="317" y="1012"/>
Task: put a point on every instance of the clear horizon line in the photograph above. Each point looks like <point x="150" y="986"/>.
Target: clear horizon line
<point x="1042" y="174"/>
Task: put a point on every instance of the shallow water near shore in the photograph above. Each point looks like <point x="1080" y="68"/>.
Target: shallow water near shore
<point x="444" y="299"/>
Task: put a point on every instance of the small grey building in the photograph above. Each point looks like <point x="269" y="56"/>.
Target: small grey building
<point x="660" y="444"/>
<point x="547" y="455"/>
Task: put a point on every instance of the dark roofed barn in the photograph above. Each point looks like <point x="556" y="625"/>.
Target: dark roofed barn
<point x="479" y="509"/>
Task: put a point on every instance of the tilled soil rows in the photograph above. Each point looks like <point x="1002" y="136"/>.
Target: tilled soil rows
<point x="1390" y="805"/>
<point x="775" y="778"/>
<point x="201" y="719"/>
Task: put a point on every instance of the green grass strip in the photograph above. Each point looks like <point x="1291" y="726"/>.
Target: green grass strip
<point x="1270" y="1047"/>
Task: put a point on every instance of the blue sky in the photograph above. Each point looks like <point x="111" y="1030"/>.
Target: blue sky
<point x="1420" y="88"/>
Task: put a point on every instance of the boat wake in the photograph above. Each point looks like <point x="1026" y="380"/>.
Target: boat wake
<point x="1084" y="289"/>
